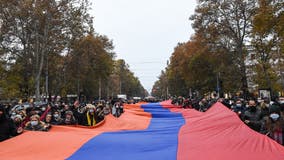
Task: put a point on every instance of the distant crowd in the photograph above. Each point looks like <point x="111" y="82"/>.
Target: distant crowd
<point x="14" y="119"/>
<point x="263" y="115"/>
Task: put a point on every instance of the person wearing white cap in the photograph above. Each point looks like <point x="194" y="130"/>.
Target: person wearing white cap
<point x="91" y="116"/>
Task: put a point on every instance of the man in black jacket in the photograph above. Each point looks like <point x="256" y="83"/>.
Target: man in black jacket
<point x="7" y="127"/>
<point x="253" y="117"/>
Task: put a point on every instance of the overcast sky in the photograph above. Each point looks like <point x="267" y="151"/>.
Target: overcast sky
<point x="144" y="32"/>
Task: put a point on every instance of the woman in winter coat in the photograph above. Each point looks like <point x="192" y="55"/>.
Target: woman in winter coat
<point x="274" y="125"/>
<point x="35" y="124"/>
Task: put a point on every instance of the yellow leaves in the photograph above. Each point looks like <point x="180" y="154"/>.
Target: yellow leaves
<point x="264" y="20"/>
<point x="280" y="24"/>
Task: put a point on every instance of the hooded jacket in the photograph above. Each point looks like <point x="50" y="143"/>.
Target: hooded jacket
<point x="7" y="127"/>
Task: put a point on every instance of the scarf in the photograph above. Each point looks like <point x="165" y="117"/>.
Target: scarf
<point x="90" y="121"/>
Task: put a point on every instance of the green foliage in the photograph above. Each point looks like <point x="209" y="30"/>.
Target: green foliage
<point x="266" y="42"/>
<point x="50" y="47"/>
<point x="228" y="34"/>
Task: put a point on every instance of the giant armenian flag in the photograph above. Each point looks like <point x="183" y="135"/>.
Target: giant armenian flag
<point x="154" y="131"/>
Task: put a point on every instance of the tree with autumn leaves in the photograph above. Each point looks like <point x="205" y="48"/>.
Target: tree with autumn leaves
<point x="50" y="48"/>
<point x="237" y="46"/>
<point x="267" y="42"/>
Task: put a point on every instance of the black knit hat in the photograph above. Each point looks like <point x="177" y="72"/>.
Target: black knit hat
<point x="274" y="109"/>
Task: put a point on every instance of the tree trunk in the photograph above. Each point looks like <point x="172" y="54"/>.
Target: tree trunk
<point x="243" y="70"/>
<point x="267" y="78"/>
<point x="41" y="50"/>
<point x="37" y="76"/>
<point x="100" y="88"/>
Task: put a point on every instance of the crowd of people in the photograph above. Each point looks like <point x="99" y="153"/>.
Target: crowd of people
<point x="262" y="115"/>
<point x="14" y="119"/>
